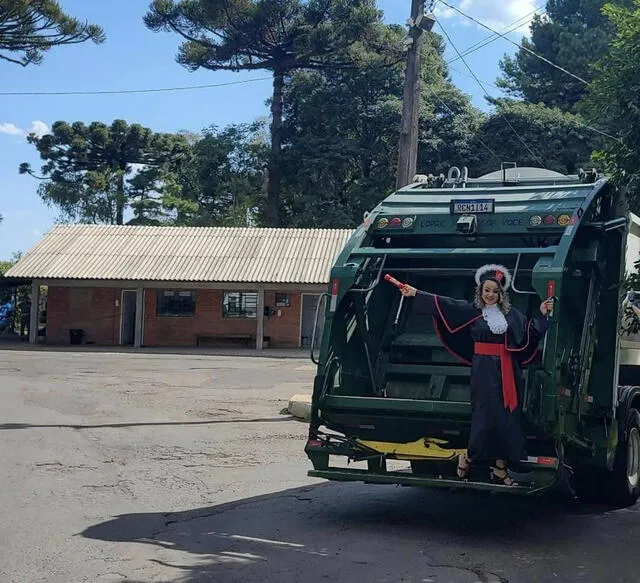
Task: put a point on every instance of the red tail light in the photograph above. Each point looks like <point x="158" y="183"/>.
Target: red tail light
<point x="551" y="288"/>
<point x="547" y="461"/>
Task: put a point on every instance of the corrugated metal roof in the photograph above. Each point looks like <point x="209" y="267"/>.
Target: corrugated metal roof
<point x="207" y="254"/>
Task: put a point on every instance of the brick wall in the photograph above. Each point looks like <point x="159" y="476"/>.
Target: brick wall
<point x="94" y="310"/>
<point x="284" y="331"/>
<point x="91" y="309"/>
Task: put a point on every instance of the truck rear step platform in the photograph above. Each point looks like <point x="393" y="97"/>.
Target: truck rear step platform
<point x="409" y="479"/>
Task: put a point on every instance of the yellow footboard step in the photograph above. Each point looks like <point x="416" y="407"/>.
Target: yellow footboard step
<point x="425" y="448"/>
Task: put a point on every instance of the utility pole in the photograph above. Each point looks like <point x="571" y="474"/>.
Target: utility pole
<point x="419" y="22"/>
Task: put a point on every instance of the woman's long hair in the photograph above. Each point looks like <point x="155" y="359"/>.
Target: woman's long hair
<point x="504" y="303"/>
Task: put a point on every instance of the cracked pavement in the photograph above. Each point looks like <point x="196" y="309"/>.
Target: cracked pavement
<point x="157" y="468"/>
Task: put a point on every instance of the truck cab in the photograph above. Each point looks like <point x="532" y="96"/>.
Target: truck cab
<point x="388" y="396"/>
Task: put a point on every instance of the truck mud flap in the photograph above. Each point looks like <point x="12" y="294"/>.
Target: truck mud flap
<point x="408" y="479"/>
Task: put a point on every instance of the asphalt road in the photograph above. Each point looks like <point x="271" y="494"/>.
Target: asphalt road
<point x="146" y="468"/>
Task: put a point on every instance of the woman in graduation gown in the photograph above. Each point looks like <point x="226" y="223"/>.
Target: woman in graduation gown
<point x="496" y="339"/>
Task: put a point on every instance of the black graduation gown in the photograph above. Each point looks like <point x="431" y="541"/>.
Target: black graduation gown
<point x="496" y="431"/>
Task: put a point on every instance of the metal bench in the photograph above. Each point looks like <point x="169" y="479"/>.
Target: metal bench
<point x="234" y="337"/>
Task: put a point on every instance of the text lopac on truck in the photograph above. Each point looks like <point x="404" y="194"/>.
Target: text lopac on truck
<point x="389" y="398"/>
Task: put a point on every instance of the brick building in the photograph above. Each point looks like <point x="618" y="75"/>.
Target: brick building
<point x="180" y="286"/>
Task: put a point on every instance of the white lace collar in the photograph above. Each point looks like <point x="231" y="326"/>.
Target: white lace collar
<point x="495" y="319"/>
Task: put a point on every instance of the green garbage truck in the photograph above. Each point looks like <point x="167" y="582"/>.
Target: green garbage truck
<point x="391" y="405"/>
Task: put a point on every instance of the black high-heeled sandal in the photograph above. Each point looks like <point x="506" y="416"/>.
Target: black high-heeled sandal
<point x="464" y="467"/>
<point x="500" y="476"/>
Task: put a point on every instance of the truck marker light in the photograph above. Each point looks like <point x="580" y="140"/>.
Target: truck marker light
<point x="542" y="460"/>
<point x="549" y="220"/>
<point x="335" y="286"/>
<point x="546" y="461"/>
<point x="382" y="223"/>
<point x="395" y="222"/>
<point x="408" y="222"/>
<point x="551" y="288"/>
<point x="535" y="220"/>
<point x="563" y="220"/>
<point x="314" y="443"/>
<point x="551" y="292"/>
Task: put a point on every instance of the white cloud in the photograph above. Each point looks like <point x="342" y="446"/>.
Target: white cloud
<point x="507" y="14"/>
<point x="39" y="128"/>
<point x="10" y="129"/>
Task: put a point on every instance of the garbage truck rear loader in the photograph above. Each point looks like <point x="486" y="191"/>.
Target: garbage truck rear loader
<point x="387" y="390"/>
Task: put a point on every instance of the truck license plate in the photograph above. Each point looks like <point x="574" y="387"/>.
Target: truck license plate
<point x="460" y="207"/>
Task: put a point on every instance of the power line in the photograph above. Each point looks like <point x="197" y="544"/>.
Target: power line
<point x="477" y="46"/>
<point x="482" y="87"/>
<point x="578" y="120"/>
<point x="494" y="37"/>
<point x="444" y="104"/>
<point x="520" y="46"/>
<point x="129" y="91"/>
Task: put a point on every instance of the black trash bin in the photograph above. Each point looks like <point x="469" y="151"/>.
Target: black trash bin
<point x="76" y="335"/>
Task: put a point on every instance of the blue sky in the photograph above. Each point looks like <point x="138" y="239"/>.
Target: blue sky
<point x="136" y="58"/>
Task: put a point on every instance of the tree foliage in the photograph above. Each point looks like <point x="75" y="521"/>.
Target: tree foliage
<point x="342" y="132"/>
<point x="28" y="28"/>
<point x="573" y="34"/>
<point x="555" y="139"/>
<point x="94" y="173"/>
<point x="224" y="176"/>
<point x="109" y="174"/>
<point x="615" y="98"/>
<point x="282" y="36"/>
<point x="5" y="266"/>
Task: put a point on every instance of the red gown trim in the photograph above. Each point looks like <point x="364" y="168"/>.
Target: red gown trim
<point x="444" y="320"/>
<point x="450" y="350"/>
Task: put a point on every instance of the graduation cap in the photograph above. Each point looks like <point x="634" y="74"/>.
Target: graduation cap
<point x="493" y="272"/>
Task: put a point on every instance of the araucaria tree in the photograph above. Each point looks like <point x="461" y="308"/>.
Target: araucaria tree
<point x="281" y="36"/>
<point x="28" y="28"/>
<point x="95" y="172"/>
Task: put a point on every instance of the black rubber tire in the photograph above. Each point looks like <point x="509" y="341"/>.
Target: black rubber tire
<point x="623" y="485"/>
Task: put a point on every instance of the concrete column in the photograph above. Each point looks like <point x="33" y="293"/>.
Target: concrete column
<point x="35" y="312"/>
<point x="137" y="339"/>
<point x="260" y="320"/>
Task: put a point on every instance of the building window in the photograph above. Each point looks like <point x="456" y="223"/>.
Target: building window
<point x="176" y="303"/>
<point x="240" y="305"/>
<point x="283" y="301"/>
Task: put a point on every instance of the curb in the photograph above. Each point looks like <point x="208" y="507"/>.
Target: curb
<point x="300" y="407"/>
<point x="273" y="353"/>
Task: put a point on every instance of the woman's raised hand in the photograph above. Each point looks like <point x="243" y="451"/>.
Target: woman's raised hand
<point x="546" y="307"/>
<point x="408" y="291"/>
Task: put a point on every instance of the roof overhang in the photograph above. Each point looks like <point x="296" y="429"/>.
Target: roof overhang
<point x="224" y="285"/>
